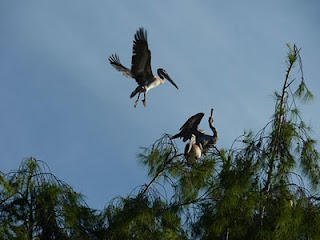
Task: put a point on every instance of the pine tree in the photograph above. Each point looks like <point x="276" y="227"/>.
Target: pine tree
<point x="34" y="204"/>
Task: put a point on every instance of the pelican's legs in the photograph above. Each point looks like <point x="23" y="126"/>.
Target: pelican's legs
<point x="136" y="102"/>
<point x="144" y="101"/>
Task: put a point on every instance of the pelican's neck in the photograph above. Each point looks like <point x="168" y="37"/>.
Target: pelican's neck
<point x="161" y="79"/>
<point x="215" y="133"/>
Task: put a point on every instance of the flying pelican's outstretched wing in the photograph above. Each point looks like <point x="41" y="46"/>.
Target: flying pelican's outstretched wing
<point x="141" y="57"/>
<point x="190" y="127"/>
<point x="115" y="62"/>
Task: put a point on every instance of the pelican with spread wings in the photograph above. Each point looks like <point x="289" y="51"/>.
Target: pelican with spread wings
<point x="198" y="140"/>
<point x="141" y="67"/>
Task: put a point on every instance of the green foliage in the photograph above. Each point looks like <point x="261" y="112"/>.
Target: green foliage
<point x="35" y="204"/>
<point x="194" y="180"/>
<point x="310" y="162"/>
<point x="303" y="92"/>
<point x="158" y="156"/>
<point x="142" y="218"/>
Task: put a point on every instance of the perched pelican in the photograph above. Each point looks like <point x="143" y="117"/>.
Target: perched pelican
<point x="141" y="67"/>
<point x="198" y="139"/>
<point x="192" y="151"/>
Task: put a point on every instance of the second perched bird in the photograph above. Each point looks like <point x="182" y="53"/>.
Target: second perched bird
<point x="192" y="151"/>
<point x="199" y="141"/>
<point x="141" y="67"/>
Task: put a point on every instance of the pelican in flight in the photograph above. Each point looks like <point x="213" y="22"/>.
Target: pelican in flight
<point x="199" y="141"/>
<point x="141" y="67"/>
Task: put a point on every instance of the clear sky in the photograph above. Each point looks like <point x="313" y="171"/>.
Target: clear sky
<point x="62" y="102"/>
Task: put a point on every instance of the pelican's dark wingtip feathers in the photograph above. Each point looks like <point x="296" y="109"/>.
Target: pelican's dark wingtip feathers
<point x="114" y="59"/>
<point x="115" y="62"/>
<point x="141" y="35"/>
<point x="141" y="57"/>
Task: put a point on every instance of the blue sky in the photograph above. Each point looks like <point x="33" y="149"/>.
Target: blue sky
<point x="61" y="101"/>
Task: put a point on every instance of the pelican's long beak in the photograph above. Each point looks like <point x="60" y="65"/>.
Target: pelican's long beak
<point x="170" y="80"/>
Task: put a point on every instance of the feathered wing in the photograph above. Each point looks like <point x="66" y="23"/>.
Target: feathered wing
<point x="190" y="127"/>
<point x="115" y="62"/>
<point x="141" y="57"/>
